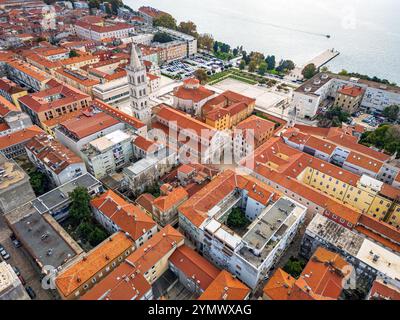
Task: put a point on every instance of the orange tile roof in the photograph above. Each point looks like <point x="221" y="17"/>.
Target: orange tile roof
<point x="53" y="97"/>
<point x="4" y="126"/>
<point x="161" y="244"/>
<point x="54" y="155"/>
<point x="378" y="238"/>
<point x="320" y="145"/>
<point x="144" y="144"/>
<point x="128" y="217"/>
<point x="186" y="169"/>
<point x="122" y="116"/>
<point x="364" y="162"/>
<point x="123" y="283"/>
<point x="321" y="279"/>
<point x="225" y="287"/>
<point x="279" y="285"/>
<point x="342" y="211"/>
<point x="7" y="107"/>
<point x="380" y="227"/>
<point x="83" y="269"/>
<point x="193" y="94"/>
<point x="383" y="291"/>
<point x="29" y="70"/>
<point x="259" y="125"/>
<point x="145" y="200"/>
<point x="351" y="91"/>
<point x="18" y="137"/>
<point x="196" y="208"/>
<point x="183" y="120"/>
<point x="194" y="266"/>
<point x="87" y="124"/>
<point x="173" y="198"/>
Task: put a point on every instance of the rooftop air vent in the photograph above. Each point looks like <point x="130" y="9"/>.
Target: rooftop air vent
<point x="307" y="89"/>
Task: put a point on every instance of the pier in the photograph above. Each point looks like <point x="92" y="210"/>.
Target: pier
<point x="319" y="61"/>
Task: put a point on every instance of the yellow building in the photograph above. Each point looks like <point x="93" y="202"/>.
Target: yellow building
<point x="349" y="98"/>
<point x="227" y="110"/>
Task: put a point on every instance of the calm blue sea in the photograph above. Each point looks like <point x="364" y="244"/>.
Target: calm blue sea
<point x="366" y="32"/>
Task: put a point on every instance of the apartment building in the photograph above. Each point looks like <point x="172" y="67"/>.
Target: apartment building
<point x="108" y="153"/>
<point x="369" y="259"/>
<point x="249" y="256"/>
<point x="52" y="158"/>
<point x="27" y="75"/>
<point x="193" y="138"/>
<point x="165" y="207"/>
<point x="314" y="182"/>
<point x="323" y="278"/>
<point x="227" y="110"/>
<point x="171" y="51"/>
<point x="191" y="96"/>
<point x="191" y="42"/>
<point x="349" y="98"/>
<point x="76" y="79"/>
<point x="15" y="188"/>
<point x="88" y="126"/>
<point x="309" y="97"/>
<point x="249" y="134"/>
<point x="12" y="144"/>
<point x="11" y="91"/>
<point x="226" y="287"/>
<point x="115" y="214"/>
<point x="54" y="102"/>
<point x="11" y="287"/>
<point x="96" y="28"/>
<point x="82" y="273"/>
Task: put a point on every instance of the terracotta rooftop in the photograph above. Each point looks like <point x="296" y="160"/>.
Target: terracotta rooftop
<point x="54" y="97"/>
<point x="194" y="266"/>
<point x="6" y="107"/>
<point x="160" y="245"/>
<point x="196" y="94"/>
<point x="18" y="137"/>
<point x="123" y="283"/>
<point x="145" y="200"/>
<point x="127" y="216"/>
<point x="225" y="287"/>
<point x="352" y="91"/>
<point x="88" y="124"/>
<point x="83" y="269"/>
<point x="171" y="199"/>
<point x="383" y="291"/>
<point x="55" y="156"/>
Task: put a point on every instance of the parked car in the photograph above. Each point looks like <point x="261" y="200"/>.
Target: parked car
<point x="31" y="292"/>
<point x="19" y="275"/>
<point x="4" y="254"/>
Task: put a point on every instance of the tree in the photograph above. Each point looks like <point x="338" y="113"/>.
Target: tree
<point x="270" y="60"/>
<point x="205" y="41"/>
<point x="257" y="57"/>
<point x="97" y="236"/>
<point x="242" y="64"/>
<point x="343" y="73"/>
<point x="165" y="20"/>
<point x="79" y="209"/>
<point x="235" y="52"/>
<point x="189" y="28"/>
<point x="39" y="181"/>
<point x="386" y="137"/>
<point x="226" y="48"/>
<point x="215" y="46"/>
<point x="309" y="71"/>
<point x="201" y="75"/>
<point x="73" y="54"/>
<point x="262" y="68"/>
<point x="391" y="113"/>
<point x="252" y="66"/>
<point x="294" y="267"/>
<point x="237" y="219"/>
<point x="334" y="117"/>
<point x="162" y="37"/>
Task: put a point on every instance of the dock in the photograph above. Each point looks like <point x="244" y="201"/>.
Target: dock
<point x="319" y="61"/>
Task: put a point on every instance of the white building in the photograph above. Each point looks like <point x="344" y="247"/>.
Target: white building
<point x="53" y="159"/>
<point x="249" y="256"/>
<point x="11" y="287"/>
<point x="369" y="259"/>
<point x="312" y="95"/>
<point x="106" y="154"/>
<point x="103" y="30"/>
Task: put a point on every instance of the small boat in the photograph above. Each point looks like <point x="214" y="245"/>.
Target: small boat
<point x="328" y="36"/>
